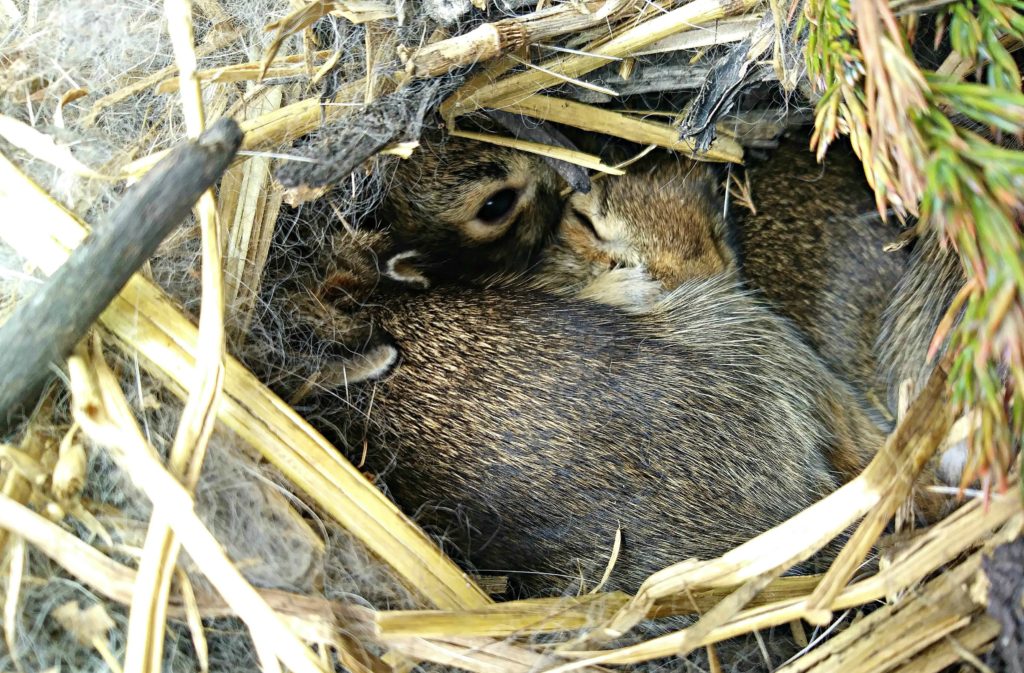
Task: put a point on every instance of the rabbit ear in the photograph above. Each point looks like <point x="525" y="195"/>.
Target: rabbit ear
<point x="375" y="363"/>
<point x="404" y="268"/>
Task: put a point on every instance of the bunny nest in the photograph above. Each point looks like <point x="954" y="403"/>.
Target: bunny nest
<point x="90" y="99"/>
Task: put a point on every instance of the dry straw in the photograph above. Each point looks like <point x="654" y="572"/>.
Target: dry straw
<point x="160" y="552"/>
<point x="168" y="341"/>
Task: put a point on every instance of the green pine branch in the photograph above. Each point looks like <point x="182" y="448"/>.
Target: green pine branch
<point x="966" y="187"/>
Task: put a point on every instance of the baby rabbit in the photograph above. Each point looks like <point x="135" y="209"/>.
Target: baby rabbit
<point x="526" y="427"/>
<point x="665" y="220"/>
<point x="471" y="209"/>
<point x="659" y="225"/>
<point x="622" y="225"/>
<point x="815" y="249"/>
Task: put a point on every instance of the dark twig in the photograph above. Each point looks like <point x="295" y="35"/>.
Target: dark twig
<point x="45" y="327"/>
<point x="723" y="85"/>
<point x="397" y="116"/>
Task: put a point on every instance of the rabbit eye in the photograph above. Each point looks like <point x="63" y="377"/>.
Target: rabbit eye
<point x="498" y="205"/>
<point x="588" y="223"/>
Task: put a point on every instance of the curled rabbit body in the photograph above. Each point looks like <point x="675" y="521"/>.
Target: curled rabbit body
<point x="526" y="425"/>
<point x="816" y="251"/>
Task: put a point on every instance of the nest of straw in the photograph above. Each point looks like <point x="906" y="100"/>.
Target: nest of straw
<point x="198" y="521"/>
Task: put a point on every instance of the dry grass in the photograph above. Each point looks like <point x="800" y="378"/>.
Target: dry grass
<point x="169" y="342"/>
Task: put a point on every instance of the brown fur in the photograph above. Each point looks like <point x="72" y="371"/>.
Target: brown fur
<point x="436" y="195"/>
<point x="527" y="427"/>
<point x="667" y="206"/>
<point x="815" y="250"/>
<point x="920" y="300"/>
<point x="663" y="219"/>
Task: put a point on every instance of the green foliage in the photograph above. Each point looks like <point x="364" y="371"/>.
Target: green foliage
<point x="965" y="186"/>
<point x="975" y="31"/>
